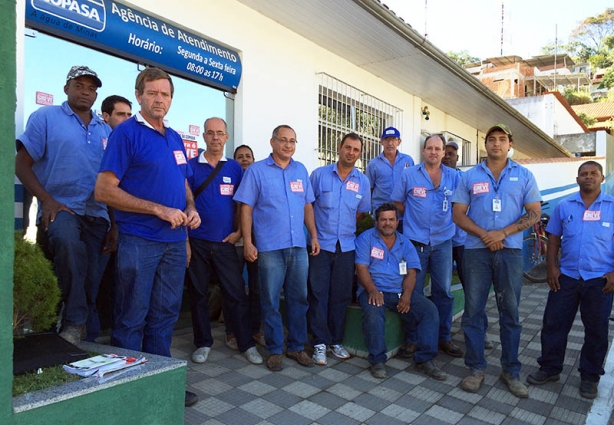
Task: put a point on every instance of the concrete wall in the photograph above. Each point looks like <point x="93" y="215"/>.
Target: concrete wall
<point x="548" y="114"/>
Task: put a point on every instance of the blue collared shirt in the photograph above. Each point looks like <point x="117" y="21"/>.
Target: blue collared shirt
<point x="587" y="244"/>
<point x="459" y="235"/>
<point x="214" y="204"/>
<point x="382" y="176"/>
<point x="278" y="197"/>
<point x="150" y="166"/>
<point x="336" y="204"/>
<point x="67" y="156"/>
<point x="383" y="264"/>
<point x="478" y="188"/>
<point x="428" y="210"/>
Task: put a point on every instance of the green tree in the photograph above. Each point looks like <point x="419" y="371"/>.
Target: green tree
<point x="574" y="97"/>
<point x="593" y="39"/>
<point x="462" y="58"/>
<point x="607" y="81"/>
<point x="588" y="120"/>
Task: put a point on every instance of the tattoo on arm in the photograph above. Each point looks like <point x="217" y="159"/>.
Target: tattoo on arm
<point x="527" y="220"/>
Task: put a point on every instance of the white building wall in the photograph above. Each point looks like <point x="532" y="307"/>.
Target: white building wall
<point x="548" y="114"/>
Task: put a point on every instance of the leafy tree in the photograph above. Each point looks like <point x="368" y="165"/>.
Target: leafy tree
<point x="588" y="120"/>
<point x="462" y="58"/>
<point x="608" y="79"/>
<point x="594" y="32"/>
<point x="574" y="97"/>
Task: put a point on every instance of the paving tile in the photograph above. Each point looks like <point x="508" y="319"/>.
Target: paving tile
<point x="399" y="412"/>
<point x="212" y="407"/>
<point x="495" y="406"/>
<point x="567" y="416"/>
<point x="336" y="418"/>
<point x="355" y="411"/>
<point x="236" y="397"/>
<point x="349" y="368"/>
<point x="261" y="408"/>
<point x="318" y="381"/>
<point x="257" y="388"/>
<point x="425" y="394"/>
<point x="328" y="400"/>
<point x="370" y="402"/>
<point x="239" y="416"/>
<point x="359" y="384"/>
<point x="444" y="414"/>
<point x="282" y="398"/>
<point x="455" y="404"/>
<point x="287" y="417"/>
<point x="334" y="374"/>
<point x="380" y="419"/>
<point x="526" y="417"/>
<point x="343" y="391"/>
<point x="301" y="389"/>
<point x="414" y="404"/>
<point x="309" y="410"/>
<point x="276" y="380"/>
<point x="384" y="393"/>
<point x="486" y="415"/>
<point x="212" y="386"/>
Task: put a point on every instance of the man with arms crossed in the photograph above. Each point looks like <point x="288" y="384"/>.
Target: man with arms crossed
<point x="276" y="199"/>
<point x="342" y="196"/>
<point x="143" y="176"/>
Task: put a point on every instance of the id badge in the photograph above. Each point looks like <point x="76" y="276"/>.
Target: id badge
<point x="445" y="205"/>
<point x="403" y="268"/>
<point x="496" y="205"/>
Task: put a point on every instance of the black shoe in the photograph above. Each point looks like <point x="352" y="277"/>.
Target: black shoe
<point x="540" y="377"/>
<point x="430" y="369"/>
<point x="588" y="389"/>
<point x="190" y="399"/>
<point x="407" y="350"/>
<point x="450" y="349"/>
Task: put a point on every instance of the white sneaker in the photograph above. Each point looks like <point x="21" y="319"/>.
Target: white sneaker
<point x="339" y="351"/>
<point x="253" y="356"/>
<point x="201" y="354"/>
<point x="319" y="354"/>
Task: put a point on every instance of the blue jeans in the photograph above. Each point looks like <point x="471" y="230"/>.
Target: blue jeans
<point x="284" y="269"/>
<point x="75" y="244"/>
<point x="438" y="260"/>
<point x="331" y="275"/>
<point x="149" y="286"/>
<point x="253" y="284"/>
<point x="219" y="259"/>
<point x="422" y="313"/>
<point x="595" y="308"/>
<point x="457" y="257"/>
<point x="503" y="269"/>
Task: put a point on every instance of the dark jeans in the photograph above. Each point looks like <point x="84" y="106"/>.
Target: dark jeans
<point x="219" y="258"/>
<point x="253" y="284"/>
<point x="595" y="307"/>
<point x="74" y="243"/>
<point x="457" y="257"/>
<point x="331" y="275"/>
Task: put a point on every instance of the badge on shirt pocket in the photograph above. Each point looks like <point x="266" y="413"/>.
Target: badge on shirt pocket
<point x="227" y="189"/>
<point x="296" y="186"/>
<point x="180" y="158"/>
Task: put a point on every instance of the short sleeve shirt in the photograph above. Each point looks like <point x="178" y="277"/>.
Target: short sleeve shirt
<point x="382" y="176"/>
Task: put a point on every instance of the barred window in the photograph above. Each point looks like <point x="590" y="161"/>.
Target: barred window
<point x="343" y="109"/>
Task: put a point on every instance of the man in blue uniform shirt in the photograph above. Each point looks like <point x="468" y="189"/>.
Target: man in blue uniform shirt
<point x="276" y="199"/>
<point x="424" y="195"/>
<point x="342" y="195"/>
<point x="212" y="244"/>
<point x="488" y="205"/>
<point x="386" y="265"/>
<point x="582" y="228"/>
<point x="143" y="176"/>
<point x="57" y="160"/>
<point x="384" y="170"/>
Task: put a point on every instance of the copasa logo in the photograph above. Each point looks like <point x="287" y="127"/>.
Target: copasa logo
<point x="87" y="13"/>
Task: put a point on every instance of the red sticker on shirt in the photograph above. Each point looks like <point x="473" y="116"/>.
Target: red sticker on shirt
<point x="591" y="215"/>
<point x="478" y="188"/>
<point x="353" y="186"/>
<point x="296" y="186"/>
<point x="180" y="157"/>
<point x="377" y="253"/>
<point x="419" y="192"/>
<point x="104" y="143"/>
<point x="227" y="189"/>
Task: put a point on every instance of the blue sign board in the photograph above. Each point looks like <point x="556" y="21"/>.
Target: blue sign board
<point x="128" y="32"/>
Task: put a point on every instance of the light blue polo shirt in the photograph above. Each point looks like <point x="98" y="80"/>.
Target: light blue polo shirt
<point x="428" y="210"/>
<point x="459" y="235"/>
<point x="214" y="204"/>
<point x="67" y="156"/>
<point x="278" y="197"/>
<point x="515" y="188"/>
<point x="382" y="176"/>
<point x="150" y="166"/>
<point x="587" y="244"/>
<point x="383" y="264"/>
<point x="336" y="204"/>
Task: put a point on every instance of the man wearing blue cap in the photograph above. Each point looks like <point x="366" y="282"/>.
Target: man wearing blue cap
<point x="384" y="170"/>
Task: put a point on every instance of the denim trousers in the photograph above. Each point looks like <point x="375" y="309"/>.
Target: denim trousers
<point x="218" y="259"/>
<point x="149" y="285"/>
<point x="284" y="269"/>
<point x="75" y="243"/>
<point x="422" y="314"/>
<point x="437" y="259"/>
<point x="595" y="308"/>
<point x="331" y="275"/>
<point x="253" y="285"/>
<point x="502" y="269"/>
<point x="457" y="257"/>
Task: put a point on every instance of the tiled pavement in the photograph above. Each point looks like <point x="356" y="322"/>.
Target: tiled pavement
<point x="234" y="392"/>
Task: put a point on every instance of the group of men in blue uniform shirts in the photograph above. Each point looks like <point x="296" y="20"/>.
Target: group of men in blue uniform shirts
<point x="79" y="170"/>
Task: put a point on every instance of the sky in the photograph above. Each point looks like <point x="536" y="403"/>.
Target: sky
<point x="475" y="25"/>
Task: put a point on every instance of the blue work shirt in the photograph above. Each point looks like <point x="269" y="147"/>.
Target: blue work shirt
<point x="515" y="188"/>
<point x="428" y="210"/>
<point x="459" y="235"/>
<point x="382" y="176"/>
<point x="336" y="204"/>
<point x="214" y="204"/>
<point x="67" y="156"/>
<point x="383" y="264"/>
<point x="150" y="166"/>
<point x="278" y="197"/>
<point x="587" y="244"/>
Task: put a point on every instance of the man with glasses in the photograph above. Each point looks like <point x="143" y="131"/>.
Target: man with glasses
<point x="214" y="181"/>
<point x="276" y="197"/>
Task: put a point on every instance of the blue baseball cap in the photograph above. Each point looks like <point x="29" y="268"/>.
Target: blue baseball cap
<point x="391" y="132"/>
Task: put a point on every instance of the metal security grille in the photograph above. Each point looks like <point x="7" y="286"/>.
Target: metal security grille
<point x="343" y="109"/>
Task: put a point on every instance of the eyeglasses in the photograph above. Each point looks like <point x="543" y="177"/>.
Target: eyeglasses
<point x="285" y="141"/>
<point x="215" y="133"/>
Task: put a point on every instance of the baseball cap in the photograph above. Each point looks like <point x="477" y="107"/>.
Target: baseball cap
<point x="500" y="127"/>
<point x="80" y="71"/>
<point x="453" y="144"/>
<point x="391" y="132"/>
